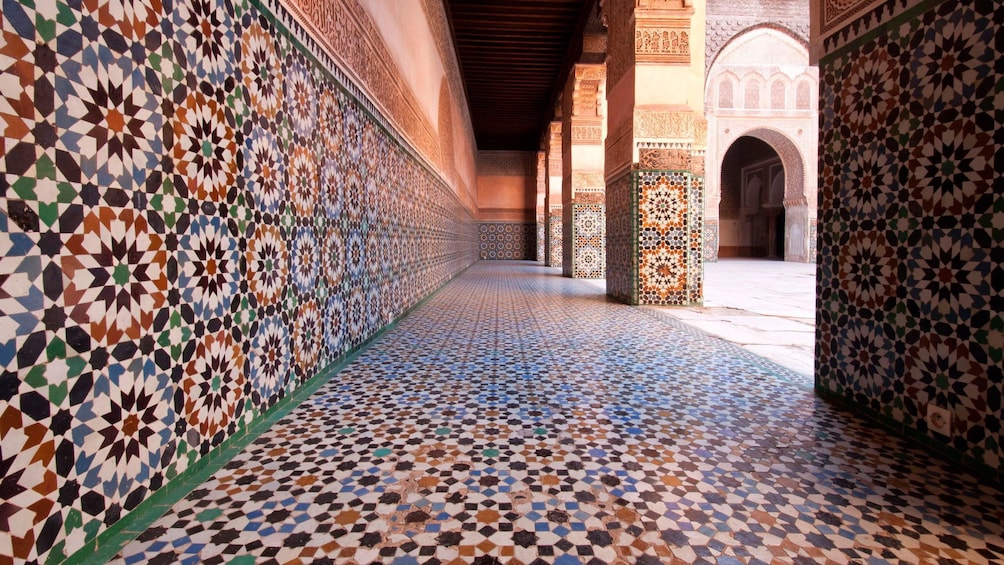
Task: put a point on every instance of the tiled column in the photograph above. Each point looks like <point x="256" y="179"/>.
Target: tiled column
<point x="541" y="212"/>
<point x="584" y="222"/>
<point x="553" y="199"/>
<point x="655" y="151"/>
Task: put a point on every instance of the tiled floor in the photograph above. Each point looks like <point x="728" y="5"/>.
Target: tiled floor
<point x="771" y="313"/>
<point x="520" y="417"/>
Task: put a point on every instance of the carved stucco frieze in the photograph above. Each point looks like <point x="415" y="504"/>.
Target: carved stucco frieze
<point x="661" y="4"/>
<point x="700" y="131"/>
<point x="589" y="134"/>
<point x="719" y="30"/>
<point x="594" y="43"/>
<point x="338" y="26"/>
<point x="590" y="72"/>
<point x="672" y="159"/>
<point x="653" y="124"/>
<point x="587" y="180"/>
<point x="591" y="196"/>
<point x="668" y="43"/>
<point x="507" y="163"/>
<point x="435" y="12"/>
<point x="835" y="13"/>
<point x="697" y="163"/>
<point x="586" y="83"/>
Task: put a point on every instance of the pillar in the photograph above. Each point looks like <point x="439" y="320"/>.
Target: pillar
<point x="654" y="151"/>
<point x="541" y="210"/>
<point x="553" y="198"/>
<point x="583" y="205"/>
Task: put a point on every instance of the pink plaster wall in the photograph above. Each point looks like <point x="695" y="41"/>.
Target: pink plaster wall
<point x="506" y="198"/>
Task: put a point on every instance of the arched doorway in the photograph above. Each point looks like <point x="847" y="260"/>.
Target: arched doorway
<point x="751" y="212"/>
<point x="761" y="110"/>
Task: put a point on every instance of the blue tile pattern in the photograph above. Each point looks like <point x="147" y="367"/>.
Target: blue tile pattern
<point x="473" y="433"/>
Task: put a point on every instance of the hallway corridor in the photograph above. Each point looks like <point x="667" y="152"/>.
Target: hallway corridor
<point x="517" y="415"/>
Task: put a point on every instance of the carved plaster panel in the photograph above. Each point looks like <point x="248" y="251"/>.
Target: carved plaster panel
<point x="697" y="163"/>
<point x="594" y="43"/>
<point x="720" y="30"/>
<point x="653" y="124"/>
<point x="587" y="134"/>
<point x="584" y="102"/>
<point x="834" y="13"/>
<point x="436" y="15"/>
<point x="587" y="180"/>
<point x="590" y="72"/>
<point x="591" y="197"/>
<point x="661" y="5"/>
<point x="668" y="43"/>
<point x="554" y="128"/>
<point x="586" y="83"/>
<point x="507" y="163"/>
<point x="338" y="25"/>
<point x="665" y="159"/>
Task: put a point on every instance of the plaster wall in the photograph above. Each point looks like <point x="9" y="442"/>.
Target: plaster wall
<point x="422" y="59"/>
<point x="506" y="197"/>
<point x="413" y="48"/>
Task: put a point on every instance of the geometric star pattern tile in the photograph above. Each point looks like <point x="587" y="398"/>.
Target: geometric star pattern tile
<point x="470" y="433"/>
<point x="189" y="231"/>
<point x="505" y="241"/>
<point x="589" y="229"/>
<point x="909" y="221"/>
<point x="669" y="237"/>
<point x="554" y="239"/>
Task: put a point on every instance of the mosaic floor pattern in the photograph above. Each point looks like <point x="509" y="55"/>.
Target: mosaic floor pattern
<point x="519" y="417"/>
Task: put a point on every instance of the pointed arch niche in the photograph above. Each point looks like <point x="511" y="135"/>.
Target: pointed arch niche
<point x="761" y="104"/>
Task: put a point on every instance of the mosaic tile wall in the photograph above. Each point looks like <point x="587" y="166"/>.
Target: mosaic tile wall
<point x="622" y="261"/>
<point x="813" y="235"/>
<point x="589" y="241"/>
<point x="710" y="240"/>
<point x="554" y="241"/>
<point x="670" y="239"/>
<point x="507" y="241"/>
<point x="910" y="240"/>
<point x="195" y="219"/>
<point x="541" y="240"/>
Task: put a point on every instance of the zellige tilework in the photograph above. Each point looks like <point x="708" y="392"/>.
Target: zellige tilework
<point x="469" y="434"/>
<point x="909" y="316"/>
<point x="669" y="237"/>
<point x="189" y="232"/>
<point x="507" y="241"/>
<point x="589" y="240"/>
